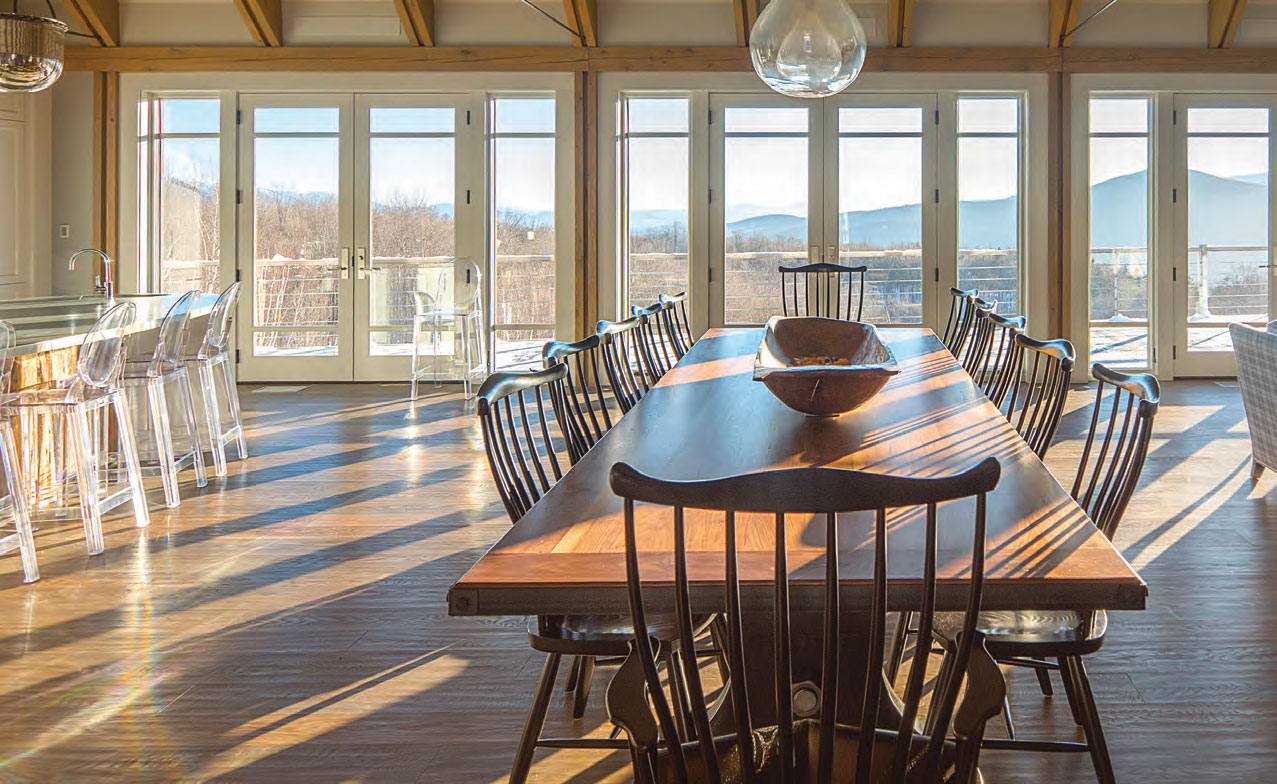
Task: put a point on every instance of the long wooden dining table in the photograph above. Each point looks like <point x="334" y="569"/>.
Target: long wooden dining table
<point x="707" y="418"/>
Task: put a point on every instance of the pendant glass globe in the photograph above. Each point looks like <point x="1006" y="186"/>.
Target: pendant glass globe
<point x="31" y="50"/>
<point x="807" y="48"/>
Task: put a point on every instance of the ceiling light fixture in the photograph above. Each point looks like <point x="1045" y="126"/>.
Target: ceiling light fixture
<point x="31" y="50"/>
<point x="807" y="48"/>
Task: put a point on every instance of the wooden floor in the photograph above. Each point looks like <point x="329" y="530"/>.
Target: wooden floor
<point x="288" y="623"/>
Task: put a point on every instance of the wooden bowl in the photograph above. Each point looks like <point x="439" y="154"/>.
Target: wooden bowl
<point x="823" y="367"/>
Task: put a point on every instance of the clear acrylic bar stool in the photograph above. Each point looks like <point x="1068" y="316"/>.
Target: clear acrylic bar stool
<point x="79" y="407"/>
<point x="152" y="377"/>
<point x="15" y="484"/>
<point x="466" y="320"/>
<point x="211" y="361"/>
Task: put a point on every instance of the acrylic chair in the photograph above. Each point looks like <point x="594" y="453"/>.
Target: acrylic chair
<point x="152" y="379"/>
<point x="1112" y="460"/>
<point x="823" y="290"/>
<point x="15" y="482"/>
<point x="79" y="407"/>
<point x="524" y="417"/>
<point x="961" y="318"/>
<point x="678" y="326"/>
<point x="672" y="738"/>
<point x="466" y="320"/>
<point x="211" y="361"/>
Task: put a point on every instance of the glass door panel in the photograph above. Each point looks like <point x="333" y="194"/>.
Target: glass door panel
<point x="298" y="175"/>
<point x="988" y="200"/>
<point x="1224" y="225"/>
<point x="407" y="194"/>
<point x="882" y="220"/>
<point x="769" y="183"/>
<point x="656" y="171"/>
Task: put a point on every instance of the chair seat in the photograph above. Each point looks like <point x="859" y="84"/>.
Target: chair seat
<point x="1031" y="633"/>
<point x="600" y="635"/>
<point x="144" y="370"/>
<point x="767" y="767"/>
<point x="54" y="395"/>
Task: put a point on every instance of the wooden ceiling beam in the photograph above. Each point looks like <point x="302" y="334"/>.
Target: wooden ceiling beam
<point x="583" y="17"/>
<point x="1063" y="18"/>
<point x="746" y="12"/>
<point x="1223" y="17"/>
<point x="899" y="22"/>
<point x="100" y="18"/>
<point x="265" y="20"/>
<point x="418" y="20"/>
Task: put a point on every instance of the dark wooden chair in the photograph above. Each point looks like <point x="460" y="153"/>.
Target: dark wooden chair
<point x="980" y="342"/>
<point x="1000" y="340"/>
<point x="678" y="744"/>
<point x="657" y="339"/>
<point x="625" y="359"/>
<point x="823" y="290"/>
<point x="961" y="318"/>
<point x="583" y="390"/>
<point x="1033" y="386"/>
<point x="1108" y="472"/>
<point x="679" y="325"/>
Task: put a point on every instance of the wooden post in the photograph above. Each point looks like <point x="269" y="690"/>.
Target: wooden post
<point x="106" y="170"/>
<point x="1059" y="197"/>
<point x="586" y="123"/>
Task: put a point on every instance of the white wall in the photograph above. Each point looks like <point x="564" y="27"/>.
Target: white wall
<point x="71" y="180"/>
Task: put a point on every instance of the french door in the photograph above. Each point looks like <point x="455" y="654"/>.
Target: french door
<point x="348" y="205"/>
<point x="1224" y="214"/>
<point x="850" y="180"/>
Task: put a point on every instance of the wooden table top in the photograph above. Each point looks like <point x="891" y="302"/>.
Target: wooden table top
<point x="708" y="418"/>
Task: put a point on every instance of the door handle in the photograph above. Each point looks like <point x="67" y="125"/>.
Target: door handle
<point x="345" y="263"/>
<point x="363" y="264"/>
<point x="832" y="258"/>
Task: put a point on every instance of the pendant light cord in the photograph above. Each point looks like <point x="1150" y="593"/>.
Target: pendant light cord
<point x="552" y="18"/>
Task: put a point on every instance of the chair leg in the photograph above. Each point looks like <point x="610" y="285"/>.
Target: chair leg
<point x="896" y="653"/>
<point x="192" y="429"/>
<point x="158" y="406"/>
<point x="1006" y="717"/>
<point x="17" y="496"/>
<point x="536" y="720"/>
<point x="585" y="679"/>
<point x="1256" y="469"/>
<point x="128" y="456"/>
<point x="232" y="402"/>
<point x="414" y="368"/>
<point x="1094" y="732"/>
<point x="86" y="479"/>
<point x="574" y="675"/>
<point x="212" y="417"/>
<point x="1070" y="691"/>
<point x="1044" y="681"/>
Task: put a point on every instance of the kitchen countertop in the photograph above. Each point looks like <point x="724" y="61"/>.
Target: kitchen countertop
<point x="51" y="323"/>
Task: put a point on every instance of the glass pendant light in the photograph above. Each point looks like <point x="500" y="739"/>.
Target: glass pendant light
<point x="31" y="49"/>
<point x="807" y="48"/>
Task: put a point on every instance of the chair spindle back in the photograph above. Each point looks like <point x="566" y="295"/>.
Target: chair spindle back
<point x="1033" y="387"/>
<point x="583" y="390"/>
<point x="961" y="318"/>
<point x="679" y="325"/>
<point x="656" y="339"/>
<point x="824" y="290"/>
<point x="625" y="360"/>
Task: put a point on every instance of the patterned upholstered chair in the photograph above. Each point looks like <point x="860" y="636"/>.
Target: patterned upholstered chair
<point x="1257" y="372"/>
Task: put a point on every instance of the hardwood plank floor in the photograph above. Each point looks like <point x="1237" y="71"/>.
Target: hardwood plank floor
<point x="288" y="623"/>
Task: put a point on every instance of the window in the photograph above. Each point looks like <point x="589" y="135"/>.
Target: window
<point x="521" y="143"/>
<point x="1119" y="219"/>
<point x="184" y="248"/>
<point x="989" y="199"/>
<point x="655" y="149"/>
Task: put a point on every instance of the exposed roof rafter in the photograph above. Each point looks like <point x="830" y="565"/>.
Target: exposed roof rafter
<point x="265" y="20"/>
<point x="101" y="18"/>
<point x="746" y="12"/>
<point x="418" y="20"/>
<point x="1223" y="17"/>
<point x="1063" y="19"/>
<point x="899" y="22"/>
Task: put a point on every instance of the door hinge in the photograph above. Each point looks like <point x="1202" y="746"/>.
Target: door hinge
<point x="1154" y="356"/>
<point x="937" y="195"/>
<point x="467" y="276"/>
<point x="710" y="115"/>
<point x="237" y="275"/>
<point x="236" y="356"/>
<point x="937" y="277"/>
<point x="239" y="116"/>
<point x="711" y="274"/>
<point x="937" y="116"/>
<point x="1174" y="195"/>
<point x="1174" y="116"/>
<point x="467" y="195"/>
<point x="467" y="116"/>
<point x="1174" y="274"/>
<point x="711" y="195"/>
<point x="239" y="196"/>
<point x="1174" y="352"/>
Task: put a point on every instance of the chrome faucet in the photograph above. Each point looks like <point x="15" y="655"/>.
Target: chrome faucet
<point x="106" y="288"/>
